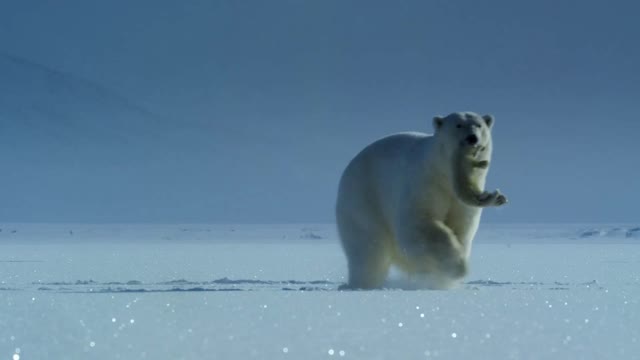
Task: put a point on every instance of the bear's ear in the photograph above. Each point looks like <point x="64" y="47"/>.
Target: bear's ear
<point x="488" y="119"/>
<point x="438" y="121"/>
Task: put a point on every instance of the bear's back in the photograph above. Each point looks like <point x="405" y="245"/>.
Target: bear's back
<point x="379" y="172"/>
<point x="390" y="151"/>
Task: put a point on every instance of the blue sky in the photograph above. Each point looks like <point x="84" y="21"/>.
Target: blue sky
<point x="283" y="93"/>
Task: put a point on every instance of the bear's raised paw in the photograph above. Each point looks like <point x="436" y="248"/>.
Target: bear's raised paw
<point x="495" y="198"/>
<point x="501" y="200"/>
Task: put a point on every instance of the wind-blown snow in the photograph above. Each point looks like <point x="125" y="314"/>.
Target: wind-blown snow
<point x="241" y="292"/>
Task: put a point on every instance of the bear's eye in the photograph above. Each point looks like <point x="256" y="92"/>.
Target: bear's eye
<point x="459" y="126"/>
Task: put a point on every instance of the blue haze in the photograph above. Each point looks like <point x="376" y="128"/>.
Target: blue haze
<point x="247" y="111"/>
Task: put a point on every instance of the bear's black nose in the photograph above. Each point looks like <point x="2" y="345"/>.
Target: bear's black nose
<point x="472" y="139"/>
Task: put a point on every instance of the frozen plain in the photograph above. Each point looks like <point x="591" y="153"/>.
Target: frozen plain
<point x="269" y="292"/>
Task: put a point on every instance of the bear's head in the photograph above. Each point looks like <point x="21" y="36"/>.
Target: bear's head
<point x="468" y="130"/>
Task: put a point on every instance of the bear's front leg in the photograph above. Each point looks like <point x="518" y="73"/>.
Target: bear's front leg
<point x="431" y="248"/>
<point x="465" y="182"/>
<point x="470" y="194"/>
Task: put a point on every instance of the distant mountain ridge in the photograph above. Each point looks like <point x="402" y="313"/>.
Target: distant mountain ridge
<point x="47" y="105"/>
<point x="73" y="149"/>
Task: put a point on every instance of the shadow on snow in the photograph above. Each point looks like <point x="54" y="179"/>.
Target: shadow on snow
<point x="234" y="285"/>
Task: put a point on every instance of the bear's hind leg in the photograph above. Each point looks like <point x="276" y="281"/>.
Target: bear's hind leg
<point x="367" y="256"/>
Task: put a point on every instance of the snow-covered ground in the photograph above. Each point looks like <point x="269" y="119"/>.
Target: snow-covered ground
<point x="269" y="292"/>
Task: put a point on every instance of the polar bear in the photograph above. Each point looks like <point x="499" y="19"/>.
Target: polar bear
<point x="414" y="201"/>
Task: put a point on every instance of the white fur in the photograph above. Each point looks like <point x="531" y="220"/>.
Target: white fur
<point x="399" y="202"/>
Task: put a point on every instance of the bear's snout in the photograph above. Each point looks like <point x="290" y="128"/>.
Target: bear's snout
<point x="472" y="139"/>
